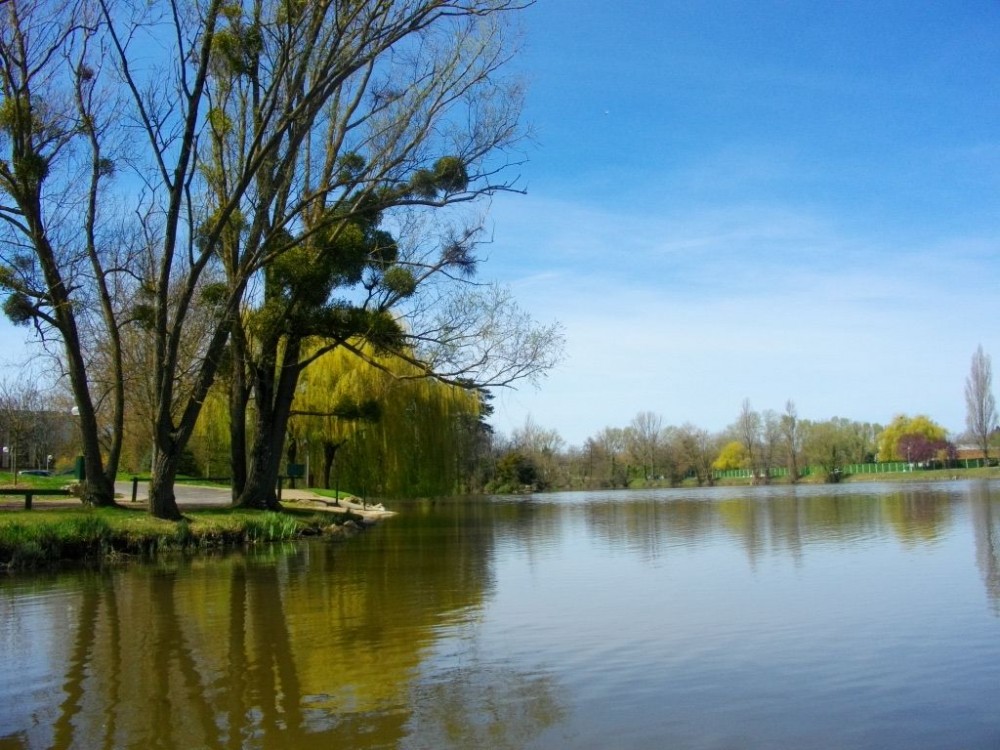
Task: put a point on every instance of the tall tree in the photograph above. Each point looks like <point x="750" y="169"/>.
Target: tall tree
<point x="20" y="404"/>
<point x="771" y="442"/>
<point x="608" y="446"/>
<point x="57" y="154"/>
<point x="791" y="434"/>
<point x="410" y="429"/>
<point x="748" y="430"/>
<point x="695" y="449"/>
<point x="403" y="135"/>
<point x="541" y="446"/>
<point x="644" y="438"/>
<point x="980" y="405"/>
<point x="827" y="446"/>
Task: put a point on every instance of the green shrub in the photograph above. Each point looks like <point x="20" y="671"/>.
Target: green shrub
<point x="183" y="536"/>
<point x="271" y="527"/>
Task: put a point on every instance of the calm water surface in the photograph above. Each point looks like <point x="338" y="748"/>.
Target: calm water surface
<point x="857" y="617"/>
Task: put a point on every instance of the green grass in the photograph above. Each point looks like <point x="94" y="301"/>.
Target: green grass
<point x="930" y="475"/>
<point x="34" y="539"/>
<point x="54" y="483"/>
<point x="61" y="480"/>
<point x="901" y="477"/>
<point x="918" y="475"/>
<point x="341" y="494"/>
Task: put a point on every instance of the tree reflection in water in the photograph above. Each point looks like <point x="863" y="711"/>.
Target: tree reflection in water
<point x="985" y="512"/>
<point x="485" y="706"/>
<point x="376" y="644"/>
<point x="295" y="647"/>
<point x="769" y="520"/>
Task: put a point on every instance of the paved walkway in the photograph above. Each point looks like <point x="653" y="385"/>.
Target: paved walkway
<point x="195" y="496"/>
<point x="186" y="494"/>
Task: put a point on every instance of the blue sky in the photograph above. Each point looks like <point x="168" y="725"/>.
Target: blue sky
<point x="763" y="200"/>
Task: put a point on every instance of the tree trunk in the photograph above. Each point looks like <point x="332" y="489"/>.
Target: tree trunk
<point x="793" y="468"/>
<point x="265" y="462"/>
<point x="329" y="456"/>
<point x="98" y="487"/>
<point x="275" y="391"/>
<point x="239" y="397"/>
<point x="162" y="501"/>
<point x="99" y="491"/>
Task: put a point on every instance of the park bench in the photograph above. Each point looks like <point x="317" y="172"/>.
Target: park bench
<point x="29" y="492"/>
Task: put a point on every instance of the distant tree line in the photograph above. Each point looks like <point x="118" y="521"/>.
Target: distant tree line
<point x="36" y="429"/>
<point x="648" y="451"/>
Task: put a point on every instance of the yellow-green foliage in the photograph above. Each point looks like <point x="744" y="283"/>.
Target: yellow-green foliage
<point x="411" y="450"/>
<point x="901" y="425"/>
<point x="732" y="456"/>
<point x="210" y="440"/>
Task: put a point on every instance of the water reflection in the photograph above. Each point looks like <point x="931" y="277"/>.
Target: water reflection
<point x="765" y="522"/>
<point x="485" y="706"/>
<point x="985" y="515"/>
<point x="492" y="624"/>
<point x="150" y="667"/>
<point x="300" y="647"/>
<point x="768" y="521"/>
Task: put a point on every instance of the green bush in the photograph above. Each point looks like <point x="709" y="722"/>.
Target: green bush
<point x="271" y="527"/>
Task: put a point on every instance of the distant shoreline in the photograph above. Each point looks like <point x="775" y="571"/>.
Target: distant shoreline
<point x="900" y="477"/>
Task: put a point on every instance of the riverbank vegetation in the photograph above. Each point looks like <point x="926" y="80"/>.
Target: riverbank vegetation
<point x="757" y="448"/>
<point x="389" y="436"/>
<point x="44" y="538"/>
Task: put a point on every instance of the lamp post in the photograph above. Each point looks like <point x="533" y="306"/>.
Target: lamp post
<point x="308" y="482"/>
<point x="9" y="452"/>
<point x="80" y="463"/>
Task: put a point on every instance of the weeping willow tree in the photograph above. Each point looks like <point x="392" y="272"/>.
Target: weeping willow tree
<point x="210" y="440"/>
<point x="376" y="427"/>
<point x="383" y="427"/>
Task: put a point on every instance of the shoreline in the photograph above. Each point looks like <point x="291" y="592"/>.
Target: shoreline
<point x="899" y="477"/>
<point x="307" y="500"/>
<point x="64" y="534"/>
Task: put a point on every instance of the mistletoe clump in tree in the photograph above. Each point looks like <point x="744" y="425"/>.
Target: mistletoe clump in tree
<point x="300" y="303"/>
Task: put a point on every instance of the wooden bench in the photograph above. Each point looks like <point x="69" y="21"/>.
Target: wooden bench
<point x="29" y="492"/>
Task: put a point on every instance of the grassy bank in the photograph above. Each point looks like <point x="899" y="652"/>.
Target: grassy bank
<point x="927" y="475"/>
<point x="900" y="477"/>
<point x="917" y="475"/>
<point x="30" y="540"/>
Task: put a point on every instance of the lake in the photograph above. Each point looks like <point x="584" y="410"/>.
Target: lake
<point x="861" y="616"/>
